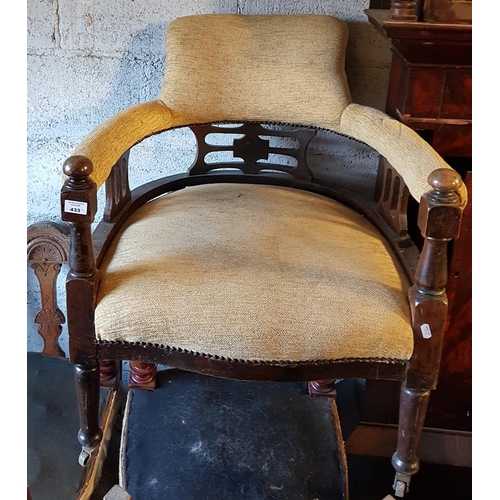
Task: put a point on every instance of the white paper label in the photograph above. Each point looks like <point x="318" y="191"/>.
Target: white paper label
<point x="75" y="207"/>
<point x="426" y="331"/>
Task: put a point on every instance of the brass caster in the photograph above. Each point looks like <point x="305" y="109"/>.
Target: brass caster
<point x="401" y="484"/>
<point x="86" y="455"/>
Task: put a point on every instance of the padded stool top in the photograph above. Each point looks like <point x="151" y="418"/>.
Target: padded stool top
<point x="203" y="437"/>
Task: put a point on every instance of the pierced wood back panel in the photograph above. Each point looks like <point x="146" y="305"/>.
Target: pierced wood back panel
<point x="252" y="149"/>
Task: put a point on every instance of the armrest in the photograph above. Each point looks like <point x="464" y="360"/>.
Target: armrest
<point x="107" y="142"/>
<point x="406" y="151"/>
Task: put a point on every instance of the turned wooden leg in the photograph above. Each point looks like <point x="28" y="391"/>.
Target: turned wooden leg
<point x="439" y="216"/>
<point x="412" y="410"/>
<point x="322" y="388"/>
<point x="142" y="375"/>
<point x="87" y="388"/>
<point x="110" y="372"/>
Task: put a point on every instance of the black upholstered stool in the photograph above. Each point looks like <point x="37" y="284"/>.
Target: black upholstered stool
<point x="203" y="437"/>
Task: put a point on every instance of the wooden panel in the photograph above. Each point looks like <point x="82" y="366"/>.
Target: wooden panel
<point x="380" y="4"/>
<point x="457" y="95"/>
<point x="448" y="11"/>
<point x="452" y="140"/>
<point x="429" y="92"/>
<point x="398" y="84"/>
<point x="436" y="446"/>
<point x="424" y="92"/>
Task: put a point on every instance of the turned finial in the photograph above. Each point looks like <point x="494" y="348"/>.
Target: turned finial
<point x="78" y="194"/>
<point x="404" y="10"/>
<point x="445" y="179"/>
<point x="78" y="166"/>
<point x="440" y="209"/>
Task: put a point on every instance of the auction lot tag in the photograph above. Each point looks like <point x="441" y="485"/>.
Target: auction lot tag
<point x="75" y="207"/>
<point x="426" y="331"/>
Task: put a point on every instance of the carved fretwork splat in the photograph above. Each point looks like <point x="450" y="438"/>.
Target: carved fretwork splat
<point x="117" y="188"/>
<point x="48" y="247"/>
<point x="252" y="147"/>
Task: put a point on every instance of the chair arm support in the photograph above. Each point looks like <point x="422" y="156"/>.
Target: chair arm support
<point x="439" y="218"/>
<point x="107" y="142"/>
<point x="412" y="157"/>
<point x="78" y="208"/>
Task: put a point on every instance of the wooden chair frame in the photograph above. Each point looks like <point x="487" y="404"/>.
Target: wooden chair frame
<point x="439" y="220"/>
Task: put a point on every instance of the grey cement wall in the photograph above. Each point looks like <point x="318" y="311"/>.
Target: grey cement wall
<point x="90" y="59"/>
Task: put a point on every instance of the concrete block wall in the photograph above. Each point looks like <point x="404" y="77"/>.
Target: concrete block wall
<point x="88" y="60"/>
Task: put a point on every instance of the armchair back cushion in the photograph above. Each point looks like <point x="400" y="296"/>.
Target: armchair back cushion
<point x="274" y="82"/>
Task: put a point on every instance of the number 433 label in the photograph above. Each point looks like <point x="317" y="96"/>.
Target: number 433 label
<point x="75" y="207"/>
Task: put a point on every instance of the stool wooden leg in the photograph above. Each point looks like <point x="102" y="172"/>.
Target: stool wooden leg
<point x="87" y="387"/>
<point x="142" y="375"/>
<point x="110" y="372"/>
<point x="322" y="388"/>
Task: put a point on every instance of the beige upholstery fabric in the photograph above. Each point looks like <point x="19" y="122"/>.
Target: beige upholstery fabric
<point x="226" y="67"/>
<point x="254" y="272"/>
<point x="106" y="143"/>
<point x="412" y="157"/>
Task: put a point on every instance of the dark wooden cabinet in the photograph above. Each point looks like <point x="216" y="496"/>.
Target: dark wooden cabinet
<point x="430" y="90"/>
<point x="430" y="87"/>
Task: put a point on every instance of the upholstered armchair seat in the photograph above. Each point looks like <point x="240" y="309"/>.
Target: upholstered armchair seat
<point x="255" y="272"/>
